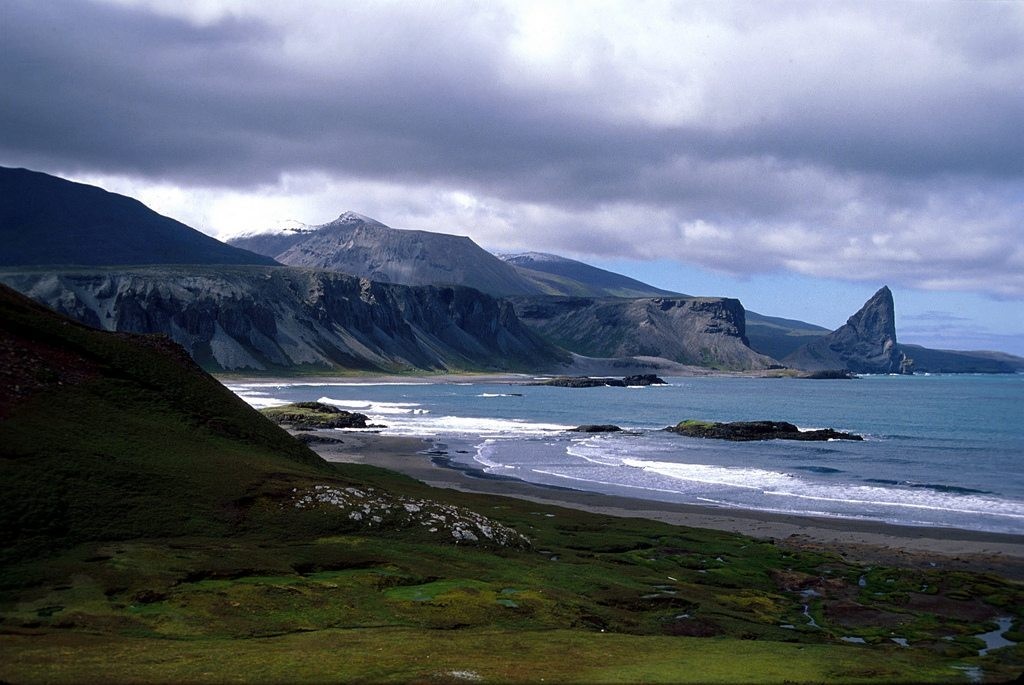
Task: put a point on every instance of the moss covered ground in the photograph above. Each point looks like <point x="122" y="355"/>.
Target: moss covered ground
<point x="592" y="599"/>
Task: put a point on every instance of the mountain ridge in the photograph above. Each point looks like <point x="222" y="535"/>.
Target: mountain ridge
<point x="360" y="246"/>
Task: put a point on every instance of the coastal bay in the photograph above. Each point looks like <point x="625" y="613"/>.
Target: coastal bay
<point x="938" y="452"/>
<point x="858" y="540"/>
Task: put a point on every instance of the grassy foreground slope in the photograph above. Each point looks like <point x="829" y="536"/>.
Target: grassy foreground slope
<point x="157" y="529"/>
<point x="109" y="436"/>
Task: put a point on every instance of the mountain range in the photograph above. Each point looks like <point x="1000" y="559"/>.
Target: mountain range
<point x="356" y="294"/>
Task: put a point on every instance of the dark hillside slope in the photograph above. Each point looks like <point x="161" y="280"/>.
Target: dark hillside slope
<point x="927" y="360"/>
<point x="563" y="276"/>
<point x="778" y="337"/>
<point x="115" y="436"/>
<point x="45" y="220"/>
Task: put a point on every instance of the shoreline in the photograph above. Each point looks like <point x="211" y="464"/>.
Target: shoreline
<point x="868" y="541"/>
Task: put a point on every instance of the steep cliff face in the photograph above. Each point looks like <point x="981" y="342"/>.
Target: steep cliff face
<point x="695" y="331"/>
<point x="866" y="343"/>
<point x="360" y="246"/>
<point x="280" y="318"/>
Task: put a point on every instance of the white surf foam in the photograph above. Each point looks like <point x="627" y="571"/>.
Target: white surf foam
<point x="260" y="400"/>
<point x="377" y="408"/>
<point x="464" y="426"/>
<point x="773" y="484"/>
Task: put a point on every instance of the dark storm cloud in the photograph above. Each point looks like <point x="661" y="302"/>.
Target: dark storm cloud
<point x="834" y="124"/>
<point x="127" y="90"/>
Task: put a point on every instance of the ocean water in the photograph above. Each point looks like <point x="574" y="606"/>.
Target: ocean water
<point x="940" y="451"/>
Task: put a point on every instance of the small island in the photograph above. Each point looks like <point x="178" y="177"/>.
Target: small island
<point x="589" y="382"/>
<point x="304" y="416"/>
<point x="742" y="431"/>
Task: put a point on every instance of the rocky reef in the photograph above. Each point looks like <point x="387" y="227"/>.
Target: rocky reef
<point x="313" y="415"/>
<point x="595" y="428"/>
<point x="743" y="431"/>
<point x="829" y="375"/>
<point x="591" y="382"/>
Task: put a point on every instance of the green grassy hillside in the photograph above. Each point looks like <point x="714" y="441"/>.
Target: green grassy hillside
<point x="110" y="436"/>
<point x="159" y="530"/>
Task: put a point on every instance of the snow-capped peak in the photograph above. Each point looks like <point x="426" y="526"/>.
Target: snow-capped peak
<point x="292" y="226"/>
<point x="355" y="218"/>
<point x="285" y="227"/>
<point x="531" y="257"/>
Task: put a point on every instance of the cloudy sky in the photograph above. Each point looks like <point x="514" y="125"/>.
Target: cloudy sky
<point x="795" y="155"/>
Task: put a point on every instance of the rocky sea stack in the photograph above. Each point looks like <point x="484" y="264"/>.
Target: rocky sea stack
<point x="866" y="343"/>
<point x="743" y="431"/>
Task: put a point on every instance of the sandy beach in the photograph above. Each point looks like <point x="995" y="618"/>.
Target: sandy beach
<point x="864" y="541"/>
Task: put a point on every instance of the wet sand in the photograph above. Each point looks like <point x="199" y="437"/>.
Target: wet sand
<point x="865" y="541"/>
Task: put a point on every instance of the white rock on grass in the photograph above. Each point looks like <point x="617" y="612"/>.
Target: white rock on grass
<point x="380" y="508"/>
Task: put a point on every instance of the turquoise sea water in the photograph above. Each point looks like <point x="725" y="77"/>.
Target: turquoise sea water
<point x="939" y="451"/>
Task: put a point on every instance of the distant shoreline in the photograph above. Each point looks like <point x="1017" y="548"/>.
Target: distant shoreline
<point x="869" y="541"/>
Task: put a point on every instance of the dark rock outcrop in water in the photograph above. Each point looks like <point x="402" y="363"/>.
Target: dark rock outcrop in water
<point x="829" y="375"/>
<point x="595" y="428"/>
<point x="697" y="331"/>
<point x="262" y="318"/>
<point x="865" y="344"/>
<point x="642" y="379"/>
<point x="589" y="382"/>
<point x="311" y="415"/>
<point x="743" y="431"/>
